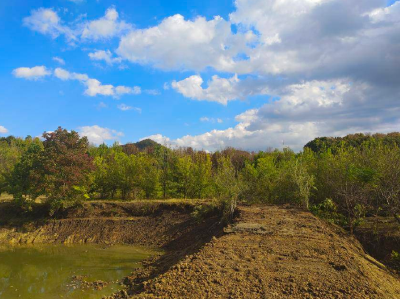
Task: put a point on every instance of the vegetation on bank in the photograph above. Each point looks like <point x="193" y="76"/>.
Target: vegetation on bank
<point x="341" y="180"/>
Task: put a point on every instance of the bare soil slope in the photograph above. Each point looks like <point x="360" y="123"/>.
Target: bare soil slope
<point x="275" y="252"/>
<point x="150" y="223"/>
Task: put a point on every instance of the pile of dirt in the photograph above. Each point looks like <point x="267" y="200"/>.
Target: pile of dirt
<point x="272" y="252"/>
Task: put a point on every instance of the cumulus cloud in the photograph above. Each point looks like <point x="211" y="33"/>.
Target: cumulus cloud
<point x="33" y="73"/>
<point x="59" y="60"/>
<point x="220" y="90"/>
<point x="98" y="135"/>
<point x="64" y="75"/>
<point x="326" y="67"/>
<point x="105" y="27"/>
<point x="294" y="39"/>
<point x="106" y="56"/>
<point x="326" y="77"/>
<point x="302" y="112"/>
<point x="47" y="21"/>
<point x="94" y="87"/>
<point x="3" y="130"/>
<point x="177" y="43"/>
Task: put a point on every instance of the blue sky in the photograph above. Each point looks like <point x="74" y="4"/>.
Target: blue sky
<point x="206" y="74"/>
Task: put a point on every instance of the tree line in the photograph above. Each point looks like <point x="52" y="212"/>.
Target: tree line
<point x="342" y="181"/>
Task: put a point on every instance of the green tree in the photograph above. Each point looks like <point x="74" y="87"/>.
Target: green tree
<point x="228" y="186"/>
<point x="304" y="181"/>
<point x="202" y="171"/>
<point x="184" y="175"/>
<point x="65" y="167"/>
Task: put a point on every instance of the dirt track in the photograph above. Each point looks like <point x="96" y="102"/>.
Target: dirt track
<point x="273" y="252"/>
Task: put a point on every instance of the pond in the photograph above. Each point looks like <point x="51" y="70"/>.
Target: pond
<point x="57" y="271"/>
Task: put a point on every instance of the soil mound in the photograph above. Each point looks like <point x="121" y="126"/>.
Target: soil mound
<point x="275" y="252"/>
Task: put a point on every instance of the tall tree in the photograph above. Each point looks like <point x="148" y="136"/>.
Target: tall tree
<point x="66" y="165"/>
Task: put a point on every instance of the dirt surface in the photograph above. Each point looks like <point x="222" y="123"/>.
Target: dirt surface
<point x="273" y="252"/>
<point x="267" y="252"/>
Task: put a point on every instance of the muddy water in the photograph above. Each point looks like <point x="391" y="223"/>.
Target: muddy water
<point x="46" y="271"/>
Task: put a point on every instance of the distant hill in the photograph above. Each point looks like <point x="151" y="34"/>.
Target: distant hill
<point x="353" y="140"/>
<point x="146" y="143"/>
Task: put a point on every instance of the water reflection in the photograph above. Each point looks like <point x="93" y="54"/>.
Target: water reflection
<point x="45" y="271"/>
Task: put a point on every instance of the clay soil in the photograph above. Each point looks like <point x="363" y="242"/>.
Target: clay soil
<point x="272" y="252"/>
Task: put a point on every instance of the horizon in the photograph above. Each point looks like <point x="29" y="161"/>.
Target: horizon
<point x="248" y="74"/>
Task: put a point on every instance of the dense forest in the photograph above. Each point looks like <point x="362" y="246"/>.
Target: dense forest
<point x="340" y="179"/>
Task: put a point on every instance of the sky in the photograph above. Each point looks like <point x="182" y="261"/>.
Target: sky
<point x="251" y="74"/>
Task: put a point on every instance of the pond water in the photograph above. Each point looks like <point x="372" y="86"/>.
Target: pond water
<point x="47" y="271"/>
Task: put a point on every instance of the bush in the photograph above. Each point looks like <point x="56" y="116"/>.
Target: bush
<point x="327" y="210"/>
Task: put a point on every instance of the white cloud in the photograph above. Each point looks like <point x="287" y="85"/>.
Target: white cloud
<point x="177" y="43"/>
<point x="3" y="130"/>
<point x="288" y="38"/>
<point x="302" y="112"/>
<point x="124" y="107"/>
<point x="219" y="90"/>
<point x="64" y="75"/>
<point x="120" y="90"/>
<point x="47" y="21"/>
<point x="33" y="73"/>
<point x="105" y="56"/>
<point x="99" y="135"/>
<point x="332" y="65"/>
<point x="94" y="87"/>
<point x="105" y="27"/>
<point x="59" y="60"/>
<point x="166" y="86"/>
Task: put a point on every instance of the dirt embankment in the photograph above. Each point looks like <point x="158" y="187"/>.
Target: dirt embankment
<point x="149" y="223"/>
<point x="274" y="252"/>
<point x="267" y="252"/>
